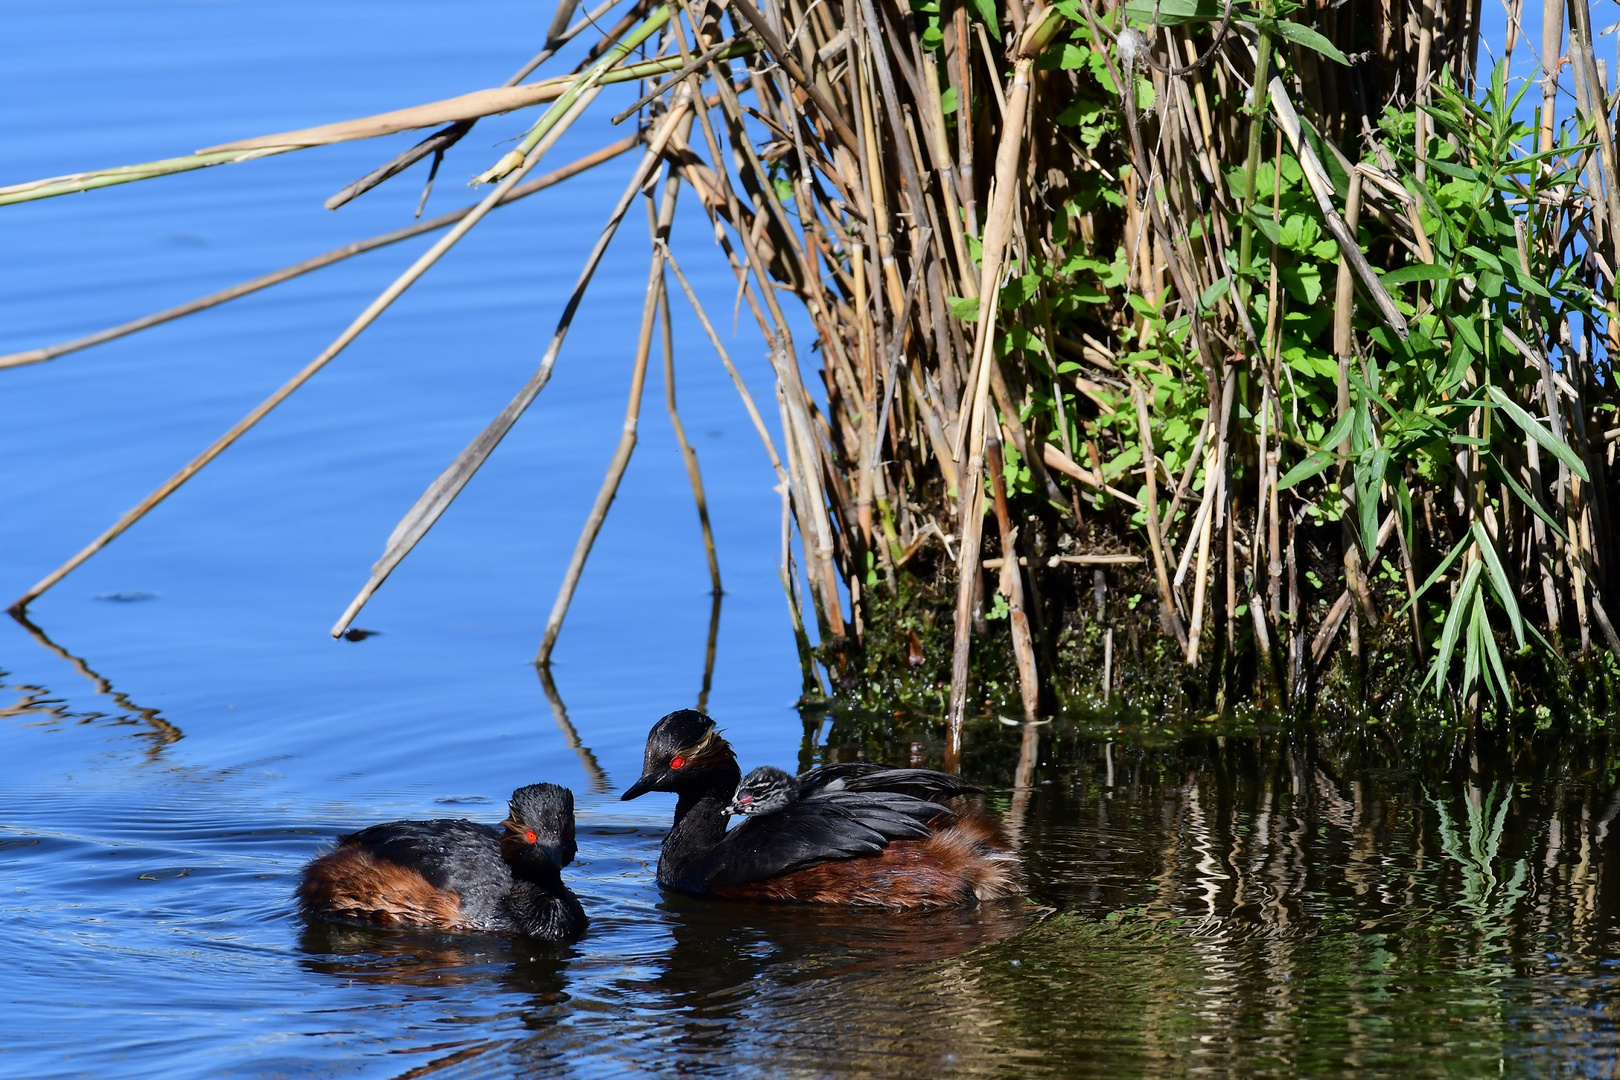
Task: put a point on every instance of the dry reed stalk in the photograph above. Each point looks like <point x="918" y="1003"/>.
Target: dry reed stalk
<point x="1597" y="114"/>
<point x="1012" y="587"/>
<point x="1334" y="620"/>
<point x="1108" y="665"/>
<point x="998" y="228"/>
<point x="1201" y="583"/>
<point x="1420" y="138"/>
<point x="794" y="494"/>
<point x="1296" y="629"/>
<point x="731" y="369"/>
<point x="467" y="106"/>
<point x="440" y="141"/>
<point x="365" y="319"/>
<point x="808" y="493"/>
<point x="448" y="485"/>
<point x="1322" y="188"/>
<point x="470" y="106"/>
<point x="971" y="436"/>
<point x="1552" y="41"/>
<point x="972" y="514"/>
<point x="1097" y="560"/>
<point x="800" y="434"/>
<point x="688" y="453"/>
<point x="773" y="43"/>
<point x="1168" y="617"/>
<point x="1344" y="294"/>
<point x="1214" y="491"/>
<point x="287" y="273"/>
<point x="627" y="435"/>
<point x="1056" y="459"/>
<point x="1194" y="458"/>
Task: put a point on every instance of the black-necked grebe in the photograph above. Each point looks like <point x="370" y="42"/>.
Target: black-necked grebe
<point x="457" y="875"/>
<point x="837" y="838"/>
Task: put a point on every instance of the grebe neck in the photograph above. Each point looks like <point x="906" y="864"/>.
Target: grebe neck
<point x="540" y="905"/>
<point x="700" y="824"/>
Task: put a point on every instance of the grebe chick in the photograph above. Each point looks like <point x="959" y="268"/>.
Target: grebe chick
<point x="764" y="791"/>
<point x="457" y="875"/>
<point x="834" y="844"/>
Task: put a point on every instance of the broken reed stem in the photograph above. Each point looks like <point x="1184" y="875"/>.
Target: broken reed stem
<point x="287" y="273"/>
<point x="1168" y="617"/>
<point x="1214" y="500"/>
<point x="442" y="140"/>
<point x="627" y="435"/>
<point x="478" y="104"/>
<point x="365" y="319"/>
<point x="1012" y="587"/>
<point x="688" y="453"/>
<point x="433" y="502"/>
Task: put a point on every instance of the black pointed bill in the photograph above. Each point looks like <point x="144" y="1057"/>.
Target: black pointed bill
<point x="639" y="788"/>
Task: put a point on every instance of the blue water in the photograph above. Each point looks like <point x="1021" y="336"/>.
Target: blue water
<point x="180" y="733"/>
<point x="230" y="585"/>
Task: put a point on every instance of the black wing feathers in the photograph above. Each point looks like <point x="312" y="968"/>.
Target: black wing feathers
<point x="867" y="776"/>
<point x="818" y="828"/>
<point x="446" y="852"/>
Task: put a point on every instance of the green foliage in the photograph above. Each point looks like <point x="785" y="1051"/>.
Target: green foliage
<point x="1457" y="388"/>
<point x="1455" y="384"/>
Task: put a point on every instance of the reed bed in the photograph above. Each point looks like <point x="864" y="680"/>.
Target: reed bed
<point x="1298" y="316"/>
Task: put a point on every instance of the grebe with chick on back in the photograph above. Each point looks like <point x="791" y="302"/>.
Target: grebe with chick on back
<point x="848" y="833"/>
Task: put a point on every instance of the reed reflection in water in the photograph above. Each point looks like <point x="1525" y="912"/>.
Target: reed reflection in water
<point x="1275" y="904"/>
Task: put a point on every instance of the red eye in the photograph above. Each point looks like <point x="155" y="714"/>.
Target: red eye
<point x="677" y="761"/>
<point x="530" y="836"/>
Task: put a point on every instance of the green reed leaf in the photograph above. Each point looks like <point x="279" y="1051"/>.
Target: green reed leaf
<point x="1525" y="497"/>
<point x="1453" y="626"/>
<point x="1532" y="427"/>
<point x="1500" y="585"/>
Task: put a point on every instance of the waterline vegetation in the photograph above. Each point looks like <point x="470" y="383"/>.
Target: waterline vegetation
<point x="1282" y="329"/>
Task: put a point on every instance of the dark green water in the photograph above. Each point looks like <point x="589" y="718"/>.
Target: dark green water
<point x="179" y="734"/>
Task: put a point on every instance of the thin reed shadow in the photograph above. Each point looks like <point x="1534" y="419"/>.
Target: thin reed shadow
<point x="599" y="779"/>
<point x="162" y="732"/>
<point x="708" y="656"/>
